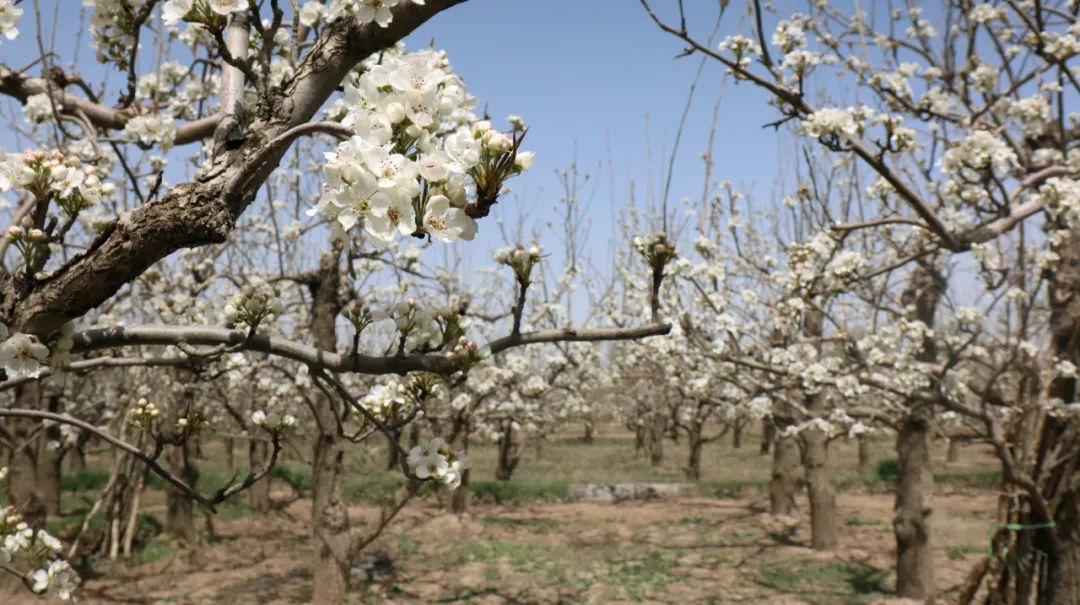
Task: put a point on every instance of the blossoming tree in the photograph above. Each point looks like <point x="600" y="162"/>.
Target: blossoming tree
<point x="98" y="214"/>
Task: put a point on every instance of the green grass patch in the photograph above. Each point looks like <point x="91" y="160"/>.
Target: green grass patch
<point x="373" y="487"/>
<point x="639" y="576"/>
<point x="84" y="479"/>
<point x="532" y="557"/>
<point x="824" y="583"/>
<point x="888" y="470"/>
<point x="520" y="491"/>
<point x="155" y="550"/>
<point x="975" y="478"/>
<point x="295" y="475"/>
<point x="541" y="525"/>
<point x="857" y="521"/>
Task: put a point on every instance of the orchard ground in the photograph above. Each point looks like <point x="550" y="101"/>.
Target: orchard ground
<point x="524" y="542"/>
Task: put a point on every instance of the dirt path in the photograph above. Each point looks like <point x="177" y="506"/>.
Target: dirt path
<point x="675" y="551"/>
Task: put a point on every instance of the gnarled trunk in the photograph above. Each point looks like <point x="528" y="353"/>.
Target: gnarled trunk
<point x="784" y="463"/>
<point x="24" y="489"/>
<point x="768" y="434"/>
<point x="259" y="492"/>
<point x="820" y="489"/>
<point x="911" y="523"/>
<point x="508" y="453"/>
<point x="816" y="458"/>
<point x="952" y="452"/>
<point x="49" y="460"/>
<point x="180" y="508"/>
<point x="915" y="483"/>
<point x="329" y="514"/>
<point x="694" y="439"/>
<point x="866" y="459"/>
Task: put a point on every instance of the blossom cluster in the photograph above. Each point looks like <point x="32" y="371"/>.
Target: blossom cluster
<point x="202" y="11"/>
<point x="520" y="260"/>
<point x="417" y="147"/>
<point x="272" y="422"/>
<point x="56" y="176"/>
<point x="253" y="304"/>
<point x="9" y="18"/>
<point x="52" y="576"/>
<point x="434" y="459"/>
<point x="154" y="129"/>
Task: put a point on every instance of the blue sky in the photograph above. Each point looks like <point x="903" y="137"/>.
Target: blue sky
<point x="588" y="75"/>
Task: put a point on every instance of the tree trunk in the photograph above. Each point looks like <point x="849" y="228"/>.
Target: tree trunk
<point x="507" y="458"/>
<point x="816" y="458"/>
<point x="459" y="498"/>
<point x="329" y="515"/>
<point x="866" y="458"/>
<point x="48" y="461"/>
<point x="768" y="434"/>
<point x="392" y="453"/>
<point x="657" y="428"/>
<point x="230" y="455"/>
<point x="782" y="484"/>
<point x="952" y="453"/>
<point x="590" y="428"/>
<point x="914" y="555"/>
<point x="693" y="464"/>
<point x="915" y="483"/>
<point x="259" y="493"/>
<point x="180" y="508"/>
<point x="330" y="518"/>
<point x="820" y="489"/>
<point x="24" y="490"/>
<point x="736" y="435"/>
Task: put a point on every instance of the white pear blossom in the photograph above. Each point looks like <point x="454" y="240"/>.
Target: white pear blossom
<point x="9" y="18"/>
<point x="174" y="11"/>
<point x="227" y="7"/>
<point x="149" y="130"/>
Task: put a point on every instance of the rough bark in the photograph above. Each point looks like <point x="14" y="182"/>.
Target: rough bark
<point x="785" y="462"/>
<point x="911" y="523"/>
<point x="768" y="434"/>
<point x="49" y="461"/>
<point x="329" y="514"/>
<point x="655" y="444"/>
<point x="230" y="453"/>
<point x="259" y="492"/>
<point x="819" y="486"/>
<point x="393" y="454"/>
<point x="694" y="444"/>
<point x="23" y="487"/>
<point x="509" y="454"/>
<point x="866" y="458"/>
<point x="180" y="508"/>
<point x="952" y="452"/>
<point x="815" y="451"/>
<point x="1059" y="484"/>
<point x="915" y="483"/>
